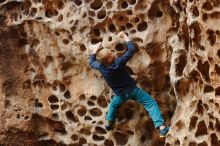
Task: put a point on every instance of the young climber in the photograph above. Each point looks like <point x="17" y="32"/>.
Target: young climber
<point x="113" y="70"/>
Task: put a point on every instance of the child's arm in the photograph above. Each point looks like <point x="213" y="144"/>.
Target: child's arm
<point x="93" y="63"/>
<point x="129" y="53"/>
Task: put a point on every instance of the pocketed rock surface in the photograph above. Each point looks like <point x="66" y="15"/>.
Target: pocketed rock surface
<point x="49" y="96"/>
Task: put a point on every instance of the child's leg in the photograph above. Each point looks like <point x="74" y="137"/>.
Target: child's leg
<point x="113" y="108"/>
<point x="150" y="105"/>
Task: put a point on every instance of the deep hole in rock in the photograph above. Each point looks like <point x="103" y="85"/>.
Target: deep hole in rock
<point x="87" y="118"/>
<point x="100" y="130"/>
<point x="96" y="40"/>
<point x="133" y="31"/>
<point x="137" y="20"/>
<point x="217" y="91"/>
<point x="208" y="88"/>
<point x="90" y="103"/>
<point x="129" y="12"/>
<point x="124" y="5"/>
<point x="214" y="140"/>
<point x="129" y="25"/>
<point x="96" y="32"/>
<point x="203" y="144"/>
<point x="193" y="121"/>
<point x="85" y="131"/>
<point x="93" y="98"/>
<point x="129" y="132"/>
<point x="49" y="13"/>
<point x="218" y="53"/>
<point x="211" y="36"/>
<point x="143" y="138"/>
<point x="109" y="5"/>
<point x="195" y="11"/>
<point x="207" y="6"/>
<point x="101" y="14"/>
<point x="197" y="31"/>
<point x="211" y="126"/>
<point x="183" y="86"/>
<point x="53" y="99"/>
<point x="142" y="26"/>
<point x="204" y="17"/>
<point x="82" y="111"/>
<point x="179" y="124"/>
<point x="98" y="138"/>
<point x="122" y="28"/>
<point x="54" y="107"/>
<point x="192" y="144"/>
<point x="121" y="138"/>
<point x="96" y="4"/>
<point x="60" y="4"/>
<point x="201" y="129"/>
<point x="102" y="102"/>
<point x="74" y="137"/>
<point x="70" y="116"/>
<point x="67" y="94"/>
<point x="91" y="13"/>
<point x="112" y="28"/>
<point x="33" y="12"/>
<point x="204" y="69"/>
<point x="110" y="39"/>
<point x="77" y="2"/>
<point x="95" y="112"/>
<point x="65" y="41"/>
<point x="18" y="116"/>
<point x="108" y="142"/>
<point x="82" y="97"/>
<point x="177" y="142"/>
<point x="159" y="14"/>
<point x="196" y="76"/>
<point x="200" y="108"/>
<point x="82" y="47"/>
<point x="55" y="116"/>
<point x="48" y="59"/>
<point x="119" y="47"/>
<point x="181" y="63"/>
<point x="64" y="106"/>
<point x="59" y="127"/>
<point x="217" y="123"/>
<point x="61" y="87"/>
<point x="82" y="141"/>
<point x="65" y="66"/>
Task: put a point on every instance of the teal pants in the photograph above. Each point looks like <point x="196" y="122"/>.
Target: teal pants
<point x="140" y="96"/>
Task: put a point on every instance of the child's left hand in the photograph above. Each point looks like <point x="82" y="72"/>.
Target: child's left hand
<point x="97" y="47"/>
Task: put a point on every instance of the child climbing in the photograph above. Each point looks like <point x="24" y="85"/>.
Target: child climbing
<point x="113" y="70"/>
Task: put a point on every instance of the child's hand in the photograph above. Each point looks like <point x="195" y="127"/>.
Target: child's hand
<point x="97" y="48"/>
<point x="122" y="34"/>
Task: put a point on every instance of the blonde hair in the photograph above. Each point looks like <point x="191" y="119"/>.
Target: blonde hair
<point x="103" y="56"/>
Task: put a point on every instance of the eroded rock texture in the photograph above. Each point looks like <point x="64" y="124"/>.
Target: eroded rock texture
<point x="50" y="96"/>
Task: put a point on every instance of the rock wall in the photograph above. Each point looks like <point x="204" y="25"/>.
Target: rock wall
<point x="50" y="96"/>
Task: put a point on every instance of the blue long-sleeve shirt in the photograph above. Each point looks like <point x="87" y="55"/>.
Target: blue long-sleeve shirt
<point x="116" y="75"/>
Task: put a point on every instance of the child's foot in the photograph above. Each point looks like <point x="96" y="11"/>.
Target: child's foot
<point x="109" y="125"/>
<point x="164" y="131"/>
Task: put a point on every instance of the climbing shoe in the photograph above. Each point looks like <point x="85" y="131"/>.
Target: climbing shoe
<point x="164" y="132"/>
<point x="109" y="125"/>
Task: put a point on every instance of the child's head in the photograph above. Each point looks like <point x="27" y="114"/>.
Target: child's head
<point x="106" y="56"/>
